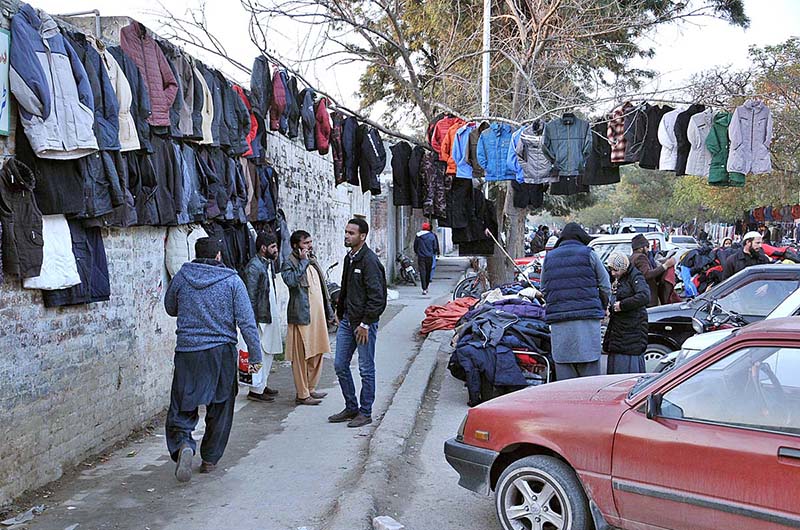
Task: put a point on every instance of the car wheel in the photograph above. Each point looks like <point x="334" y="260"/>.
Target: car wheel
<point x="541" y="493"/>
<point x="653" y="355"/>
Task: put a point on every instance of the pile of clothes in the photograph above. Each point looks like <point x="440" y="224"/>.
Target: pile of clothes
<point x="491" y="341"/>
<point x="445" y="316"/>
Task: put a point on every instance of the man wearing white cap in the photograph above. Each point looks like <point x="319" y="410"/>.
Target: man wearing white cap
<point x="750" y="254"/>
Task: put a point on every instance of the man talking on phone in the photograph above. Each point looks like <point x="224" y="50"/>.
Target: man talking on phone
<point x="361" y="302"/>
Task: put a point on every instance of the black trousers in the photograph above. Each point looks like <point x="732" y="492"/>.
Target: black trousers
<point x="425" y="270"/>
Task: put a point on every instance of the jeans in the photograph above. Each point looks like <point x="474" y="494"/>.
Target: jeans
<point x="345" y="348"/>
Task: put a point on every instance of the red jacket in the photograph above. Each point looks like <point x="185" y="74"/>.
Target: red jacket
<point x="251" y="134"/>
<point x="323" y="127"/>
<point x="446" y="151"/>
<point x="440" y="131"/>
<point x="278" y="105"/>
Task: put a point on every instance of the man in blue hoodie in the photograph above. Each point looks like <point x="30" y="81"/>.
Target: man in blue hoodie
<point x="426" y="247"/>
<point x="210" y="302"/>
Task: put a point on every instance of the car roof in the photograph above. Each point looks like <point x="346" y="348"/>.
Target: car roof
<point x="622" y="238"/>
<point x="775" y="325"/>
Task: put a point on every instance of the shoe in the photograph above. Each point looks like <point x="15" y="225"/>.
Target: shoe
<point x="360" y="421"/>
<point x="207" y="467"/>
<point x="307" y="401"/>
<point x="260" y="397"/>
<point x="183" y="469"/>
<point x="318" y="395"/>
<point x="343" y="416"/>
<point x="270" y="391"/>
<point x="425" y="293"/>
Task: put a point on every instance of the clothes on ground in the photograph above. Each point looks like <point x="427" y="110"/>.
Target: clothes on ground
<point x="446" y="316"/>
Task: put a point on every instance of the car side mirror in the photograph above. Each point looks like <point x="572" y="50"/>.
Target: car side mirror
<point x="653" y="408"/>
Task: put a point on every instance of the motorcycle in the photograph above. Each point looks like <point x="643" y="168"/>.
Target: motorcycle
<point x="333" y="288"/>
<point x="407" y="272"/>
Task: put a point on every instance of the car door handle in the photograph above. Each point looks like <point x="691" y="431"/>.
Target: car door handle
<point x="788" y="452"/>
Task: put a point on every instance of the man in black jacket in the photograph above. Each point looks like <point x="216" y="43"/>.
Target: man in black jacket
<point x="750" y="254"/>
<point x="361" y="302"/>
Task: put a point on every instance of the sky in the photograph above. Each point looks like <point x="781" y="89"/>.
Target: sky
<point x="680" y="51"/>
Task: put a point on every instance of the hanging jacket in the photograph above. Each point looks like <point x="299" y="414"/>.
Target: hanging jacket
<point x="21" y="221"/>
<point x="180" y="118"/>
<point x="322" y="130"/>
<point x="474" y="138"/>
<point x="627" y="328"/>
<point x="192" y="202"/>
<point x="493" y="150"/>
<point x="50" y="84"/>
<point x="699" y="159"/>
<point x="102" y="189"/>
<point x="567" y="141"/>
<point x="651" y="149"/>
<point x="241" y="130"/>
<point x="227" y="121"/>
<point x="416" y="177"/>
<point x="446" y="150"/>
<point x="439" y="132"/>
<point x="216" y="107"/>
<point x="123" y="214"/>
<point x="308" y="118"/>
<point x="461" y="151"/>
<point x="750" y="134"/>
<point x="599" y="169"/>
<point x="138" y="43"/>
<point x="401" y="155"/>
<point x="128" y="139"/>
<point x="337" y="148"/>
<point x="277" y="107"/>
<point x="718" y="145"/>
<point x="92" y="264"/>
<point x="252" y="128"/>
<point x="635" y="132"/>
<point x="526" y="157"/>
<point x="682" y="137"/>
<point x="261" y="87"/>
<point x="207" y="112"/>
<point x="372" y="159"/>
<point x="350" y="150"/>
<point x="179" y="246"/>
<point x="199" y="94"/>
<point x="106" y="108"/>
<point x="293" y="107"/>
<point x="140" y="99"/>
<point x="666" y="137"/>
<point x="616" y="132"/>
<point x="59" y="269"/>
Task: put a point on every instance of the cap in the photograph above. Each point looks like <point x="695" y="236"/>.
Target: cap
<point x="639" y="241"/>
<point x="750" y="235"/>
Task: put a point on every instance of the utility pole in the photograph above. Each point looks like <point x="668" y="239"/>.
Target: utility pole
<point x="487" y="33"/>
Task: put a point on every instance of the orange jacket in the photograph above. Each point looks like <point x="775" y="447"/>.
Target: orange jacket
<point x="446" y="150"/>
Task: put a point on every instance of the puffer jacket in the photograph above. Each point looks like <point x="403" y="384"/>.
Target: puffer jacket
<point x="138" y="43"/>
<point x="439" y="131"/>
<point x="179" y="246"/>
<point x="446" y="150"/>
<point x="106" y="108"/>
<point x="372" y="159"/>
<point x="666" y="137"/>
<point x="627" y="328"/>
<point x="292" y="107"/>
<point x="261" y="87"/>
<point x="140" y="100"/>
<point x="493" y="151"/>
<point x="21" y="221"/>
<point x="750" y="134"/>
<point x="277" y="108"/>
<point x="718" y="145"/>
<point x="461" y="151"/>
<point x="527" y="159"/>
<point x="322" y="129"/>
<point x="308" y="118"/>
<point x="699" y="159"/>
<point x="128" y="139"/>
<point x="567" y="142"/>
<point x="50" y="84"/>
<point x="682" y="137"/>
<point x="59" y="269"/>
<point x="90" y="258"/>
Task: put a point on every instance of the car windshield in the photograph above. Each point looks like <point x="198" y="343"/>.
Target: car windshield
<point x="645" y="381"/>
<point x="683" y="240"/>
<point x="759" y="297"/>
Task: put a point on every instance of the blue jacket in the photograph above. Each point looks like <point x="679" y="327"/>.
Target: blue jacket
<point x="461" y="150"/>
<point x="572" y="285"/>
<point x="493" y="150"/>
<point x="210" y="302"/>
<point x="426" y="244"/>
<point x="567" y="143"/>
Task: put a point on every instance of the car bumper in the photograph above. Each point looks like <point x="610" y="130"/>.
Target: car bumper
<point x="473" y="465"/>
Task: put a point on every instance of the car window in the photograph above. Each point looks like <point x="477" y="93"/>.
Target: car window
<point x="604" y="250"/>
<point x="755" y="388"/>
<point x="759" y="297"/>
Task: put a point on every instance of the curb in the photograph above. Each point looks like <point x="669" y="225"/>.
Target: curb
<point x="357" y="506"/>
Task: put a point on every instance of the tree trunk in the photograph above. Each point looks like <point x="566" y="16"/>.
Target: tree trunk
<point x="511" y="223"/>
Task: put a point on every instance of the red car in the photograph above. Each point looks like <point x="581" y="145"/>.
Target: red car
<point x="711" y="445"/>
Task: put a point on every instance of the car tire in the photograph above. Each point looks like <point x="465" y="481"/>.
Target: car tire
<point x="653" y="354"/>
<point x="519" y="502"/>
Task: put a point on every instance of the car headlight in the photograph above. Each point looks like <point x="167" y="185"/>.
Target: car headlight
<point x="460" y="433"/>
<point x="698" y="326"/>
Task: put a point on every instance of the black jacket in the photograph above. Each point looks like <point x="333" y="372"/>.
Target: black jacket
<point x="350" y="150"/>
<point x="261" y="87"/>
<point x="635" y="132"/>
<point x="21" y="221"/>
<point x="682" y="137"/>
<point x="651" y="150"/>
<point x="257" y="280"/>
<point x="401" y="156"/>
<point x="140" y="99"/>
<point x="740" y="260"/>
<point x="173" y="56"/>
<point x="238" y="119"/>
<point x="308" y="118"/>
<point x="363" y="294"/>
<point x="627" y="329"/>
<point x="90" y="256"/>
<point x="293" y="107"/>
<point x="599" y="169"/>
<point x="416" y="177"/>
<point x="372" y="159"/>
<point x="102" y="188"/>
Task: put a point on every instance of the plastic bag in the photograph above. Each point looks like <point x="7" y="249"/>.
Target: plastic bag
<point x="245" y="377"/>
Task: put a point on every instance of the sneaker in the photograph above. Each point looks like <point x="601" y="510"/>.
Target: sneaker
<point x="307" y="401"/>
<point x="183" y="469"/>
<point x="260" y="397"/>
<point x="207" y="467"/>
<point x="360" y="421"/>
<point x="343" y="416"/>
<point x="318" y="395"/>
<point x="271" y="391"/>
<point x="425" y="292"/>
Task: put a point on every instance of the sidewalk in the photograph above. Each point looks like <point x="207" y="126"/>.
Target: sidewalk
<point x="285" y="466"/>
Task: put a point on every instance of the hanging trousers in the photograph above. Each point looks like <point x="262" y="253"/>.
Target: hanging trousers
<point x="425" y="271"/>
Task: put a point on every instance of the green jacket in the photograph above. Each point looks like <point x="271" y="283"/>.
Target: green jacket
<point x="718" y="145"/>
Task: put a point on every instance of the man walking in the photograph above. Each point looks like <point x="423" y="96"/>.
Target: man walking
<point x="309" y="313"/>
<point x="750" y="254"/>
<point x="426" y="246"/>
<point x="362" y="300"/>
<point x="259" y="277"/>
<point x="210" y="301"/>
<point x="577" y="290"/>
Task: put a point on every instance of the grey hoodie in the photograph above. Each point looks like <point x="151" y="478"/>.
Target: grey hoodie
<point x="210" y="301"/>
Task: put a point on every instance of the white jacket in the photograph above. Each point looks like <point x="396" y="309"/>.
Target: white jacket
<point x="208" y="108"/>
<point x="699" y="161"/>
<point x="59" y="269"/>
<point x="179" y="247"/>
<point x="666" y="137"/>
<point x="750" y="133"/>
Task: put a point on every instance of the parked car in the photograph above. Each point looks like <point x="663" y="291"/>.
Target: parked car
<point x="713" y="444"/>
<point x="605" y="245"/>
<point x="684" y="242"/>
<point x="751" y="294"/>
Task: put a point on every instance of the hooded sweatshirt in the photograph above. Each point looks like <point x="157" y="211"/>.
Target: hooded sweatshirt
<point x="210" y="301"/>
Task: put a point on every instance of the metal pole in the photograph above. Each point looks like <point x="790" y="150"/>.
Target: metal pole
<point x="487" y="33"/>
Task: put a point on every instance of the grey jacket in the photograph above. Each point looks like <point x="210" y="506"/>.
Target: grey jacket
<point x="750" y="133"/>
<point x="536" y="167"/>
<point x="257" y="280"/>
<point x="567" y="142"/>
<point x="699" y="161"/>
<point x="293" y="272"/>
